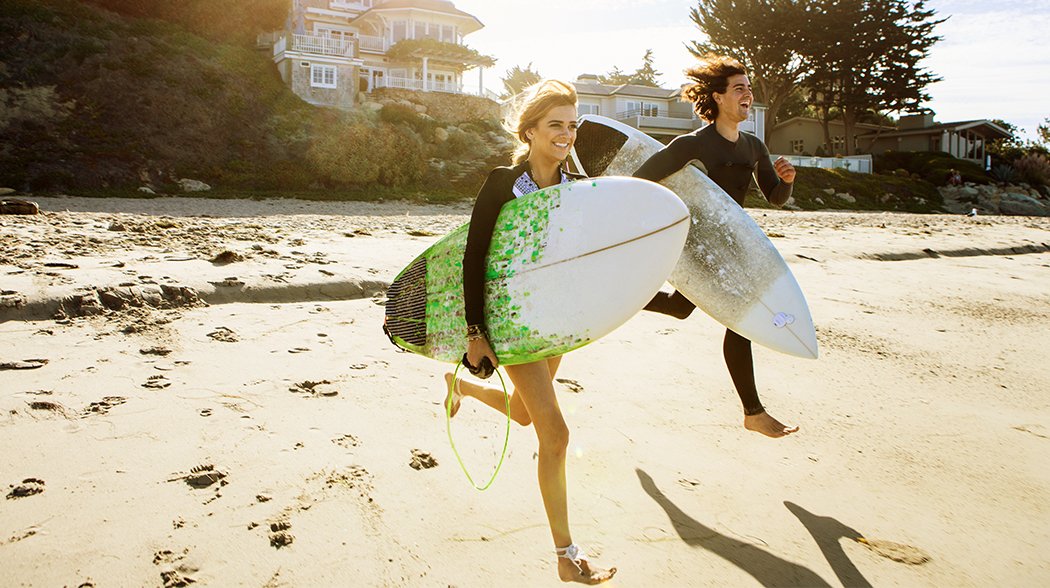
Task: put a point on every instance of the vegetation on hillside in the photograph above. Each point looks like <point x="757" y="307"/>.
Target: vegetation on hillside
<point x="92" y="99"/>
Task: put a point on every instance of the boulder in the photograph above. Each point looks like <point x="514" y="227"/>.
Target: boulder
<point x="189" y="185"/>
<point x="147" y="190"/>
<point x="829" y="191"/>
<point x="1022" y="205"/>
<point x="18" y="206"/>
<point x="421" y="109"/>
<point x="440" y="135"/>
<point x="373" y="106"/>
<point x="847" y="197"/>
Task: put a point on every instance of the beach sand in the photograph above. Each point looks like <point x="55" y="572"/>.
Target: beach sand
<point x="243" y="421"/>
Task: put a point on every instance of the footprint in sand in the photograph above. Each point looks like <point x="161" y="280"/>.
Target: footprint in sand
<point x="25" y="364"/>
<point x="279" y="533"/>
<point x="161" y="351"/>
<point x="103" y="406"/>
<point x="225" y="335"/>
<point x="202" y="476"/>
<point x="572" y="385"/>
<point x="28" y="487"/>
<point x="158" y="382"/>
<point x="177" y="572"/>
<point x="905" y="554"/>
<point x="421" y="460"/>
<point x="346" y="441"/>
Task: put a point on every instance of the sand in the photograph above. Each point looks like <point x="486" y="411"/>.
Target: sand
<point x="219" y="404"/>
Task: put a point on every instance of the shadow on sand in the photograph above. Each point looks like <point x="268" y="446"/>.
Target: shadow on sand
<point x="764" y="567"/>
<point x="826" y="532"/>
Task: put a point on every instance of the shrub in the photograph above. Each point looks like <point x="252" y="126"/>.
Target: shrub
<point x="1003" y="173"/>
<point x="1034" y="168"/>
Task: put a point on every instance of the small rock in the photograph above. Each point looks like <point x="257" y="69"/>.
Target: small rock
<point x="189" y="185"/>
<point x="147" y="190"/>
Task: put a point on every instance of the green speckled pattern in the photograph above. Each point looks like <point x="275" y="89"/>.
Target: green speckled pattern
<point x="518" y="241"/>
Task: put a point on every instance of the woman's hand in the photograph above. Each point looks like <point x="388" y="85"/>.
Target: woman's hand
<point x="478" y="348"/>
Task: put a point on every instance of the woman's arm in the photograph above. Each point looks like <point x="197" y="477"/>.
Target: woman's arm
<point x="490" y="200"/>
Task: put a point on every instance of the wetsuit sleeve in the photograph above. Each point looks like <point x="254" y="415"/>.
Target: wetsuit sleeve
<point x="667" y="161"/>
<point x="777" y="191"/>
<point x="482" y="222"/>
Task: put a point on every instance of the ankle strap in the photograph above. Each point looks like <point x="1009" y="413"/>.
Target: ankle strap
<point x="573" y="553"/>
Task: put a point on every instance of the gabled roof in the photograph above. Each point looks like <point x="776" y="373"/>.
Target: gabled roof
<point x="983" y="127"/>
<point x="597" y="89"/>
<point x="440" y="6"/>
<point x="870" y="126"/>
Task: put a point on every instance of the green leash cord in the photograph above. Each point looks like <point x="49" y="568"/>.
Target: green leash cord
<point x="448" y="427"/>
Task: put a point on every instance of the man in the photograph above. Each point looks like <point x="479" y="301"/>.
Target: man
<point x="721" y="94"/>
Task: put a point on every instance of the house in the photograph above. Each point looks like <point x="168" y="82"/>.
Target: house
<point x="919" y="132"/>
<point x="658" y="112"/>
<point x="330" y="50"/>
<point x="804" y="136"/>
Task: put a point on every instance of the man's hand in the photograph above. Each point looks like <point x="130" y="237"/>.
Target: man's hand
<point x="785" y="171"/>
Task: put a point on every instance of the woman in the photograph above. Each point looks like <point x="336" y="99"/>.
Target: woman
<point x="721" y="94"/>
<point x="546" y="128"/>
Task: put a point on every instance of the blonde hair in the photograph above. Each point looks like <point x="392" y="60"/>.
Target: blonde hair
<point x="531" y="106"/>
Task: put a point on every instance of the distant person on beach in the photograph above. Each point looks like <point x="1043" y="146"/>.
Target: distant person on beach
<point x="546" y="127"/>
<point x="721" y="94"/>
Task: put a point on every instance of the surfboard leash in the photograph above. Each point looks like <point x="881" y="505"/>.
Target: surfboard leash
<point x="448" y="428"/>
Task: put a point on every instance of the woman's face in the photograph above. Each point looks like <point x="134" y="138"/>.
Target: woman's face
<point x="554" y="135"/>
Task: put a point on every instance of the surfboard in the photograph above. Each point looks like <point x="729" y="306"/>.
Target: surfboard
<point x="729" y="267"/>
<point x="567" y="265"/>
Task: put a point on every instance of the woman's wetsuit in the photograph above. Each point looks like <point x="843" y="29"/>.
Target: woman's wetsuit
<point x="731" y="166"/>
<point x="503" y="185"/>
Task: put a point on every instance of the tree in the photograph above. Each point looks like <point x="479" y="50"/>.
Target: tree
<point x="517" y="79"/>
<point x="866" y="56"/>
<point x="647" y="74"/>
<point x="615" y="77"/>
<point x="1043" y="132"/>
<point x="767" y="36"/>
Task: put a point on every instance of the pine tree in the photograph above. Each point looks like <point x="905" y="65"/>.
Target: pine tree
<point x="517" y="79"/>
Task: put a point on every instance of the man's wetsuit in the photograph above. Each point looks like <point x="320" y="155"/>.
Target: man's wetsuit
<point x="731" y="166"/>
<point x="503" y="185"/>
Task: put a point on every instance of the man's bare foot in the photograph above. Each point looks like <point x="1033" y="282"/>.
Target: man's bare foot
<point x="453" y="396"/>
<point x="767" y="425"/>
<point x="585" y="574"/>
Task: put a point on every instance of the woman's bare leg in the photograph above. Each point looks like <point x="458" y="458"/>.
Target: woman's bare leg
<point x="533" y="383"/>
<point x="493" y="397"/>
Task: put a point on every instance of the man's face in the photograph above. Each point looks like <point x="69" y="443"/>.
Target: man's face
<point x="735" y="104"/>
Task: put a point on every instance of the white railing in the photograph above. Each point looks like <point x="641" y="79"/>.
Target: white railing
<point x="854" y="163"/>
<point x="345" y="5"/>
<point x="637" y="119"/>
<point x="402" y="83"/>
<point x="316" y="44"/>
<point x="374" y="44"/>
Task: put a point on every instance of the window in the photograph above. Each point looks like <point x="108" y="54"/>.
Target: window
<point x="798" y="145"/>
<point x="420" y="30"/>
<point x="322" y="76"/>
<point x="448" y="33"/>
<point x="589" y="109"/>
<point x="838" y="145"/>
<point x="650" y="109"/>
<point x="398" y="30"/>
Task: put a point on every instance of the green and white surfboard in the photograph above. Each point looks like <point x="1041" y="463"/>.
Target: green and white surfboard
<point x="567" y="265"/>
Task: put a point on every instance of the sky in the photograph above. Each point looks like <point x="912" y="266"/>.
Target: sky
<point x="994" y="57"/>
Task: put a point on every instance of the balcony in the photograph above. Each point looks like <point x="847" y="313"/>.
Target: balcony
<point x="373" y="44"/>
<point x="446" y="87"/>
<point x="349" y="5"/>
<point x="315" y="45"/>
<point x="638" y="120"/>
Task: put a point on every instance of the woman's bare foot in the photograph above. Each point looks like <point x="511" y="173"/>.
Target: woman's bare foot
<point x="767" y="425"/>
<point x="581" y="571"/>
<point x="453" y="396"/>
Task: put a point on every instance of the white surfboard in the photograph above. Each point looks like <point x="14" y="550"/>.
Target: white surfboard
<point x="729" y="268"/>
<point x="567" y="265"/>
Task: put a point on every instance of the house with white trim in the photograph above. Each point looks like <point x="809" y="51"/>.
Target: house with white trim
<point x="332" y="50"/>
<point x="657" y="112"/>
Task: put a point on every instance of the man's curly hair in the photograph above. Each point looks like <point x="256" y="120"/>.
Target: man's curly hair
<point x="710" y="75"/>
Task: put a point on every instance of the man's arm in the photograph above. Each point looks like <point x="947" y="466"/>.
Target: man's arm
<point x="667" y="161"/>
<point x="775" y="179"/>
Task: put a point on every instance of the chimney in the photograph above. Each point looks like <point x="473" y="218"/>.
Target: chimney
<point x="915" y="121"/>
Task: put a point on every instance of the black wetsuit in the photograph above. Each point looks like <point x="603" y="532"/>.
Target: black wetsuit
<point x="731" y="166"/>
<point x="503" y="185"/>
